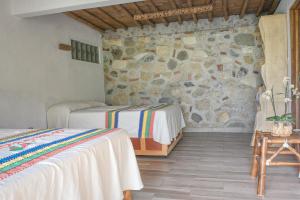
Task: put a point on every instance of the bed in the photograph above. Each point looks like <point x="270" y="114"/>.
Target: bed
<point x="95" y="164"/>
<point x="154" y="129"/>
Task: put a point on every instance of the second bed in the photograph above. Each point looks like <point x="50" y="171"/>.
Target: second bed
<point x="154" y="129"/>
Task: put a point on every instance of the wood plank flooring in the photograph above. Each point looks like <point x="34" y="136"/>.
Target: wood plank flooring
<point x="212" y="166"/>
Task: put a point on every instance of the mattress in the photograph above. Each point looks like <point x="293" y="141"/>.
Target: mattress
<point x="165" y="126"/>
<point x="67" y="164"/>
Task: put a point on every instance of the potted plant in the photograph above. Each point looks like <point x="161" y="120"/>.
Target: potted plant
<point x="283" y="124"/>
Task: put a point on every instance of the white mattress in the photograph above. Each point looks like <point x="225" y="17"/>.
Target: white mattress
<point x="99" y="169"/>
<point x="167" y="124"/>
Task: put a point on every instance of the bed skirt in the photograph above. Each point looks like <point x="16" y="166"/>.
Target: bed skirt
<point x="148" y="147"/>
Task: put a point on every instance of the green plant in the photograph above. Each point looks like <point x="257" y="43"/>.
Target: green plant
<point x="289" y="93"/>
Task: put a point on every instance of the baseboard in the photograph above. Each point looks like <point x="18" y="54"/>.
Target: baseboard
<point x="218" y="130"/>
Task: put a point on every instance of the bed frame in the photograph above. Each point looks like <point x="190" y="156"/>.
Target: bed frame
<point x="127" y="195"/>
<point x="148" y="147"/>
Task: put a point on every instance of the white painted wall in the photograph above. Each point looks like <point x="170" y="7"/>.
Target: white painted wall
<point x="30" y="8"/>
<point x="34" y="74"/>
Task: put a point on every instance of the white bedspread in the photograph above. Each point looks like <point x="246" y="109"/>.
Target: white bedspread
<point x="99" y="169"/>
<point x="167" y="123"/>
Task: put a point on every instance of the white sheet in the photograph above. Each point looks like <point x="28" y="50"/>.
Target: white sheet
<point x="167" y="124"/>
<point x="96" y="170"/>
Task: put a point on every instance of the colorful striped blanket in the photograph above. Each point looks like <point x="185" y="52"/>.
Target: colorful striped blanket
<point x="146" y="118"/>
<point x="20" y="151"/>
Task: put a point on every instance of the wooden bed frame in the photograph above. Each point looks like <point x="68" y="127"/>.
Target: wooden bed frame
<point x="127" y="195"/>
<point x="148" y="147"/>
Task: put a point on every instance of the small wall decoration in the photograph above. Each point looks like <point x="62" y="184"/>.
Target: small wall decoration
<point x="84" y="52"/>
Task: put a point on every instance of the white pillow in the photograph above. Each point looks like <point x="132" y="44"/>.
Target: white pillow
<point x="58" y="114"/>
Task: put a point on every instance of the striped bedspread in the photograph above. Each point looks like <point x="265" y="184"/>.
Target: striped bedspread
<point x="20" y="151"/>
<point x="94" y="164"/>
<point x="146" y="118"/>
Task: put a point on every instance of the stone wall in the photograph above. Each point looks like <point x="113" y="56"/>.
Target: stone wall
<point x="210" y="69"/>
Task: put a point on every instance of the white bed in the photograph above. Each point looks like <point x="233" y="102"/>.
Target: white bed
<point x="167" y="124"/>
<point x="100" y="168"/>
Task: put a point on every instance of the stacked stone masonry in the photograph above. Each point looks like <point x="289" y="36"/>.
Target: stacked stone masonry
<point x="211" y="69"/>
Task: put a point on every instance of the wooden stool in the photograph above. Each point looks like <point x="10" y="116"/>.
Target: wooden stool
<point x="263" y="147"/>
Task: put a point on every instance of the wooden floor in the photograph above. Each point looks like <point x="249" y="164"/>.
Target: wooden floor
<point x="212" y="167"/>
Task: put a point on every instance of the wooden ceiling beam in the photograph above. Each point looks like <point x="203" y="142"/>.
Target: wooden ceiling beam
<point x="176" y="12"/>
<point x="190" y="3"/>
<point x="225" y="9"/>
<point x="120" y="7"/>
<point x="101" y="12"/>
<point x="156" y="10"/>
<point x="274" y="6"/>
<point x="260" y="7"/>
<point x="174" y="6"/>
<point x="84" y="21"/>
<point x="136" y="7"/>
<point x="210" y="14"/>
<point x="244" y="8"/>
<point x="98" y="19"/>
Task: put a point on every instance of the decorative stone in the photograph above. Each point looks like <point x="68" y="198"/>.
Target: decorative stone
<point x="227" y="36"/>
<point x="122" y="87"/>
<point x="109" y="92"/>
<point x="198" y="76"/>
<point x="148" y="58"/>
<point x="220" y="67"/>
<point x="189" y="40"/>
<point x="203" y="104"/>
<point x="158" y="67"/>
<point x="107" y="60"/>
<point x="166" y="74"/>
<point x="123" y="78"/>
<point x="146" y="76"/>
<point x="233" y="53"/>
<point x="198" y="55"/>
<point x="130" y="52"/>
<point x="158" y="82"/>
<point x="209" y="63"/>
<point x="166" y="100"/>
<point x="182" y="55"/>
<point x="132" y="65"/>
<point x="248" y="59"/>
<point x="116" y="52"/>
<point x="238" y="62"/>
<point x="145" y="57"/>
<point x="226" y="59"/>
<point x="119" y="64"/>
<point x="189" y="84"/>
<point x="172" y="64"/>
<point x="120" y="99"/>
<point x="129" y="42"/>
<point x="199" y="92"/>
<point x="196" y="118"/>
<point x="242" y="72"/>
<point x="244" y="39"/>
<point x="112" y="42"/>
<point x="225" y="98"/>
<point x="223" y="117"/>
<point x="163" y="52"/>
<point x="114" y="74"/>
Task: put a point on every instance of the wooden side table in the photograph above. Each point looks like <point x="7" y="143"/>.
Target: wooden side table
<point x="264" y="154"/>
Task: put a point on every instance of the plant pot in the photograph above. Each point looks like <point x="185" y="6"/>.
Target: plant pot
<point x="282" y="129"/>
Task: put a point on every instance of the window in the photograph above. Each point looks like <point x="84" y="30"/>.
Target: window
<point x="84" y="52"/>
